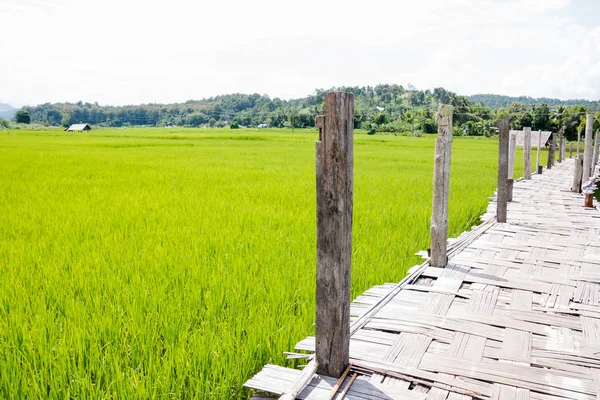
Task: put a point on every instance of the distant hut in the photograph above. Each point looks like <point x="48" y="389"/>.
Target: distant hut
<point x="79" y="128"/>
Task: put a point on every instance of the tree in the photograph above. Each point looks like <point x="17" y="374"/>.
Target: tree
<point x="66" y="120"/>
<point x="4" y="123"/>
<point x="541" y="118"/>
<point x="195" y="119"/>
<point x="211" y="123"/>
<point x="22" y="117"/>
<point x="234" y="125"/>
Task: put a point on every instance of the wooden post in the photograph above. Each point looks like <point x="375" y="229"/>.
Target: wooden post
<point x="577" y="176"/>
<point x="560" y="146"/>
<point x="578" y="141"/>
<point x="571" y="150"/>
<point x="550" y="162"/>
<point x="564" y="148"/>
<point x="539" y="149"/>
<point x="502" y="194"/>
<point x="512" y="152"/>
<point x="335" y="164"/>
<point x="596" y="148"/>
<point x="441" y="187"/>
<point x="588" y="200"/>
<point x="587" y="150"/>
<point x="526" y="153"/>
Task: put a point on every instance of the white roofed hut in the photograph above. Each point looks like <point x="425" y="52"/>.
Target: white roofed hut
<point x="79" y="128"/>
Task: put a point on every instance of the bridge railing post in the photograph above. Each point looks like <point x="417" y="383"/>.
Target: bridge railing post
<point x="335" y="187"/>
<point x="526" y="153"/>
<point x="587" y="151"/>
<point x="441" y="187"/>
<point x="551" y="149"/>
<point x="571" y="150"/>
<point x="503" y="149"/>
<point x="539" y="167"/>
<point x="512" y="153"/>
<point x="596" y="149"/>
<point x="577" y="174"/>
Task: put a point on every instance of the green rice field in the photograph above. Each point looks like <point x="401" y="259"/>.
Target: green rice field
<point x="174" y="263"/>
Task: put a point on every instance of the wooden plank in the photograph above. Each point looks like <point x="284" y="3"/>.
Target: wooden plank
<point x="536" y="379"/>
<point x="441" y="187"/>
<point x="334" y="167"/>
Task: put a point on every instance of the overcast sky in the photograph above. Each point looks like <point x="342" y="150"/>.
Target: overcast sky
<point x="142" y="51"/>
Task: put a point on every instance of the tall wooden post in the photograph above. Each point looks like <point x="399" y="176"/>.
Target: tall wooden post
<point x="550" y="162"/>
<point x="526" y="152"/>
<point x="571" y="150"/>
<point x="564" y="148"/>
<point x="335" y="164"/>
<point x="441" y="187"/>
<point x="587" y="151"/>
<point x="560" y="147"/>
<point x="512" y="152"/>
<point x="596" y="148"/>
<point x="577" y="175"/>
<point x="502" y="196"/>
<point x="578" y="141"/>
<point x="539" y="150"/>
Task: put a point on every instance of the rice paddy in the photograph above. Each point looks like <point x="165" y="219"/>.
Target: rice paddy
<point x="175" y="263"/>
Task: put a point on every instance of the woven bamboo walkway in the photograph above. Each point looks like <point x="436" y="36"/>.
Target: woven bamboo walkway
<point x="515" y="314"/>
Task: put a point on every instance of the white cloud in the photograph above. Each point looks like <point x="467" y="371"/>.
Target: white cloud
<point x="134" y="51"/>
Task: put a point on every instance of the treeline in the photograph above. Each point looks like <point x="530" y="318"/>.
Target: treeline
<point x="382" y="108"/>
<point x="499" y="101"/>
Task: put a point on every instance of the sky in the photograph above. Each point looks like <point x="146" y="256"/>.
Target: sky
<point x="157" y="51"/>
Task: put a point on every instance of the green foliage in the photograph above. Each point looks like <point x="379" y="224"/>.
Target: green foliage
<point x="66" y="120"/>
<point x="391" y="108"/>
<point x="169" y="273"/>
<point x="22" y="117"/>
<point x="234" y="125"/>
<point x="4" y="123"/>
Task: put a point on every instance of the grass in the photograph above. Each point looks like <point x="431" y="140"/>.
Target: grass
<point x="155" y="263"/>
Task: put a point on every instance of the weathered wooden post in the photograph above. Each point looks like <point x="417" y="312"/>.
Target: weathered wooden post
<point x="526" y="153"/>
<point x="587" y="151"/>
<point x="577" y="175"/>
<point x="441" y="187"/>
<point x="596" y="148"/>
<point x="335" y="164"/>
<point x="512" y="152"/>
<point x="571" y="150"/>
<point x="560" y="147"/>
<point x="564" y="148"/>
<point x="551" y="148"/>
<point x="539" y="149"/>
<point x="578" y="141"/>
<point x="502" y="194"/>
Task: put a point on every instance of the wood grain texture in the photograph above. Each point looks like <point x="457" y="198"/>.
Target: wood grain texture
<point x="334" y="167"/>
<point x="588" y="150"/>
<point x="441" y="187"/>
<point x="551" y="150"/>
<point x="512" y="152"/>
<point x="503" y="148"/>
<point x="596" y="149"/>
<point x="577" y="174"/>
<point x="526" y="153"/>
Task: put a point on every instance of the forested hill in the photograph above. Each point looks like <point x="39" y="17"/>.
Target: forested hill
<point x="7" y="111"/>
<point x="499" y="101"/>
<point x="382" y="108"/>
